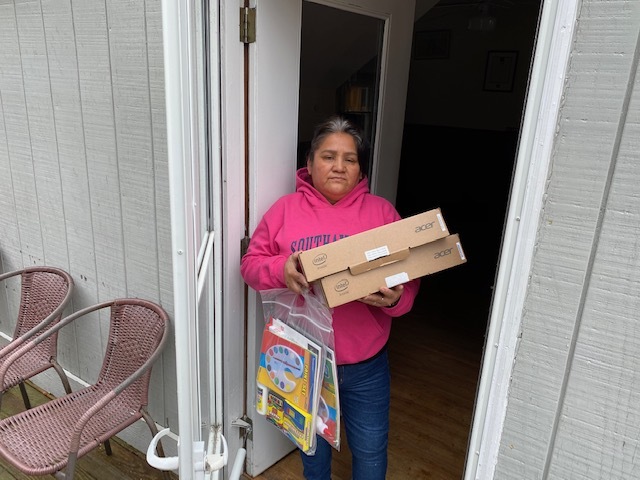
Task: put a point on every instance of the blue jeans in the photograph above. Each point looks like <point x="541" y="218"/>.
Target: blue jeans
<point x="364" y="390"/>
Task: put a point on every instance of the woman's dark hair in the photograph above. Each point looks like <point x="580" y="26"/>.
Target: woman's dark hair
<point x="337" y="124"/>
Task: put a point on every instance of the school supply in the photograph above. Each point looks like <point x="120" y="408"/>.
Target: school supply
<point x="296" y="378"/>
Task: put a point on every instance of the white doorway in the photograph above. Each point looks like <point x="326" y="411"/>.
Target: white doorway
<point x="460" y="142"/>
<point x="271" y="97"/>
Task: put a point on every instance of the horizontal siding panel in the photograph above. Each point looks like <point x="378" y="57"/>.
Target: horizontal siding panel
<point x="65" y="95"/>
<point x="63" y="77"/>
<point x="598" y="435"/>
<point x="43" y="140"/>
<point x="601" y="386"/>
<point x="134" y="139"/>
<point x="94" y="72"/>
<point x="9" y="237"/>
<point x="18" y="140"/>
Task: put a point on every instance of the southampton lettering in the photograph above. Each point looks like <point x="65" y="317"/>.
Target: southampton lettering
<point x="307" y="243"/>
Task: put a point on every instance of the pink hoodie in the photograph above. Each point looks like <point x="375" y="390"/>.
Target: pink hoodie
<point x="304" y="220"/>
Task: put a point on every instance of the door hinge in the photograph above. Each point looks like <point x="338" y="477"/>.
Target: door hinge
<point x="247" y="25"/>
<point x="244" y="246"/>
<point x="246" y="424"/>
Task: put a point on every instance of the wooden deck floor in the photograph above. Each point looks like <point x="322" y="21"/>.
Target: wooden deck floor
<point x="125" y="463"/>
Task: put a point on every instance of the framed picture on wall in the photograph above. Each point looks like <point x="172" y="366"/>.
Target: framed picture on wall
<point x="500" y="71"/>
<point x="431" y="44"/>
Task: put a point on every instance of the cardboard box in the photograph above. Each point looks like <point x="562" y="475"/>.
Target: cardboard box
<point x="435" y="256"/>
<point x="374" y="248"/>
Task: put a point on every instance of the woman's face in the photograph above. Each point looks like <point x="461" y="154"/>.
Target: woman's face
<point x="334" y="168"/>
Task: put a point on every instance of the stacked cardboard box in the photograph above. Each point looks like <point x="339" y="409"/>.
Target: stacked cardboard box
<point x="392" y="254"/>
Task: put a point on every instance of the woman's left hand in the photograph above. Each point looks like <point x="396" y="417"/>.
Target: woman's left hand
<point x="384" y="298"/>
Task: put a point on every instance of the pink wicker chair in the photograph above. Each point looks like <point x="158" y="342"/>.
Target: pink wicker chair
<point x="48" y="439"/>
<point x="44" y="294"/>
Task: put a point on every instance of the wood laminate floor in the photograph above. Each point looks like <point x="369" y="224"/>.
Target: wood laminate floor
<point x="435" y="353"/>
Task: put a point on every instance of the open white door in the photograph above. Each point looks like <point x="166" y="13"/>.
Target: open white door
<point x="193" y="139"/>
<point x="274" y="77"/>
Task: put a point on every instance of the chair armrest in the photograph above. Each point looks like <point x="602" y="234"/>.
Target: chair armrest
<point x="22" y="339"/>
<point x="83" y="420"/>
<point x="7" y="275"/>
<point x="27" y="345"/>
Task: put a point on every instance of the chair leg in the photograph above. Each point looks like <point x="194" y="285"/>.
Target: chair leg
<point x="25" y="397"/>
<point x="154" y="431"/>
<point x="62" y="375"/>
<point x="71" y="466"/>
<point x="107" y="447"/>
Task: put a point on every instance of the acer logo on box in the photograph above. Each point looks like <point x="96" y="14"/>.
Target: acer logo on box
<point x="422" y="228"/>
<point x="443" y="253"/>
<point x="341" y="285"/>
<point x="319" y="259"/>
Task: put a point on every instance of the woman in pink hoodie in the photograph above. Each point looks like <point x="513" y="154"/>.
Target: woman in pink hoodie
<point x="332" y="201"/>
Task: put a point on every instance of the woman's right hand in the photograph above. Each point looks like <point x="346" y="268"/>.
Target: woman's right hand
<point x="293" y="278"/>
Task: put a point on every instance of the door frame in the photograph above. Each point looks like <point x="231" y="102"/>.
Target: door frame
<point x="558" y="20"/>
<point x="181" y="147"/>
<point x="272" y="156"/>
<point x="232" y="130"/>
<point x="225" y="351"/>
<point x="551" y="57"/>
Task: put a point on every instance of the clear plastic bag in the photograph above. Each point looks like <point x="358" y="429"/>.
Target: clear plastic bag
<point x="296" y="374"/>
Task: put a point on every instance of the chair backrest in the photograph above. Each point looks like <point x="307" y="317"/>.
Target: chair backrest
<point x="43" y="291"/>
<point x="138" y="331"/>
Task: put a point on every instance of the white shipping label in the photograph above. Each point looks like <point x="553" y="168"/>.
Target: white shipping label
<point x="397" y="279"/>
<point x="441" y="222"/>
<point x="460" y="250"/>
<point x="376" y="253"/>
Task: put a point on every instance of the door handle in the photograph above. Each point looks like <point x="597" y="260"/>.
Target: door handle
<point x="161" y="463"/>
<point x="210" y="463"/>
